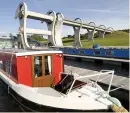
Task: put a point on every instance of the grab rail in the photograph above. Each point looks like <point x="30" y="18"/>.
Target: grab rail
<point x="102" y="72"/>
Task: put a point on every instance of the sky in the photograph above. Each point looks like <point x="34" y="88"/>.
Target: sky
<point x="111" y="13"/>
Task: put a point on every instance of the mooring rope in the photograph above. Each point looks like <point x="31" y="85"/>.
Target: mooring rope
<point x="21" y="108"/>
<point x="118" y="109"/>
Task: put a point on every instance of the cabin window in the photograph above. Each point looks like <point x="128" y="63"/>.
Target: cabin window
<point x="38" y="66"/>
<point x="1" y="64"/>
<point x="7" y="67"/>
<point x="47" y="65"/>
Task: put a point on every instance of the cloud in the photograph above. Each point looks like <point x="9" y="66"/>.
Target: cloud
<point x="67" y="30"/>
<point x="8" y="33"/>
<point x="100" y="11"/>
<point x="2" y="32"/>
<point x="114" y="22"/>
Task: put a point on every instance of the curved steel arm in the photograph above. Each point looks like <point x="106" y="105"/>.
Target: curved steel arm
<point x="51" y="12"/>
<point x="58" y="28"/>
<point x="60" y="14"/>
<point x="21" y="10"/>
<point x="21" y="13"/>
<point x="92" y="23"/>
<point x="102" y="26"/>
<point x="80" y="21"/>
<point x="110" y="28"/>
<point x="77" y="30"/>
<point x="105" y="29"/>
<point x="51" y="27"/>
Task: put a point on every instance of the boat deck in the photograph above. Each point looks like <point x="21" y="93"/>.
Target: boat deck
<point x="49" y="91"/>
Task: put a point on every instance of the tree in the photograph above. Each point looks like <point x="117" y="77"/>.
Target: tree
<point x="37" y="37"/>
<point x="125" y="30"/>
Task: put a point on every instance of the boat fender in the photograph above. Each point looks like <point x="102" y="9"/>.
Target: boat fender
<point x="115" y="101"/>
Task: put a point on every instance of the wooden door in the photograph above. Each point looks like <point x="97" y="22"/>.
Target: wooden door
<point x="42" y="70"/>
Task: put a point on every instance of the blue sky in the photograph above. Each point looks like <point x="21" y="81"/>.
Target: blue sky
<point x="111" y="13"/>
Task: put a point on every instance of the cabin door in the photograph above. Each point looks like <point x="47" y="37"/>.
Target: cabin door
<point x="42" y="71"/>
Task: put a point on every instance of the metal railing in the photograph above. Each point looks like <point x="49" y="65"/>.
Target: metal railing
<point x="102" y="72"/>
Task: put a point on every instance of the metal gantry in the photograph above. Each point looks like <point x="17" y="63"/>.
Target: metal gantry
<point x="54" y="22"/>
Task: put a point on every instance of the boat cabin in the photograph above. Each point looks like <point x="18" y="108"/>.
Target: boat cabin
<point x="33" y="68"/>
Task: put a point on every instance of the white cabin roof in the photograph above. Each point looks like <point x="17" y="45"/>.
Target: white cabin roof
<point x="37" y="52"/>
<point x="22" y="52"/>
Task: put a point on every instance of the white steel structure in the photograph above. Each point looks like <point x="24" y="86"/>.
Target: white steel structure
<point x="55" y="21"/>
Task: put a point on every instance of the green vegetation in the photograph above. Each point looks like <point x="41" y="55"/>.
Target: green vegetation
<point x="117" y="38"/>
<point x="37" y="37"/>
<point x="125" y="30"/>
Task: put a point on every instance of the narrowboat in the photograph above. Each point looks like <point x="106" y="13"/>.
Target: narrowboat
<point x="36" y="79"/>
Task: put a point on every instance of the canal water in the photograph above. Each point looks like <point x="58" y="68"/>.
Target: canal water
<point x="7" y="103"/>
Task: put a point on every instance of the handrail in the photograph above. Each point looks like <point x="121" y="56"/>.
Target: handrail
<point x="78" y="86"/>
<point x="118" y="87"/>
<point x="99" y="74"/>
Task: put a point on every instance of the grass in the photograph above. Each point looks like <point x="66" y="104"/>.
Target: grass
<point x="117" y="38"/>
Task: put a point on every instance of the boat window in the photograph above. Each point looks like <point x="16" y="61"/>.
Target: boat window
<point x="47" y="65"/>
<point x="97" y="52"/>
<point x="1" y="64"/>
<point x="38" y="66"/>
<point x="7" y="67"/>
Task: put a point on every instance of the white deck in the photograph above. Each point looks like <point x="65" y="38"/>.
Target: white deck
<point x="49" y="91"/>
